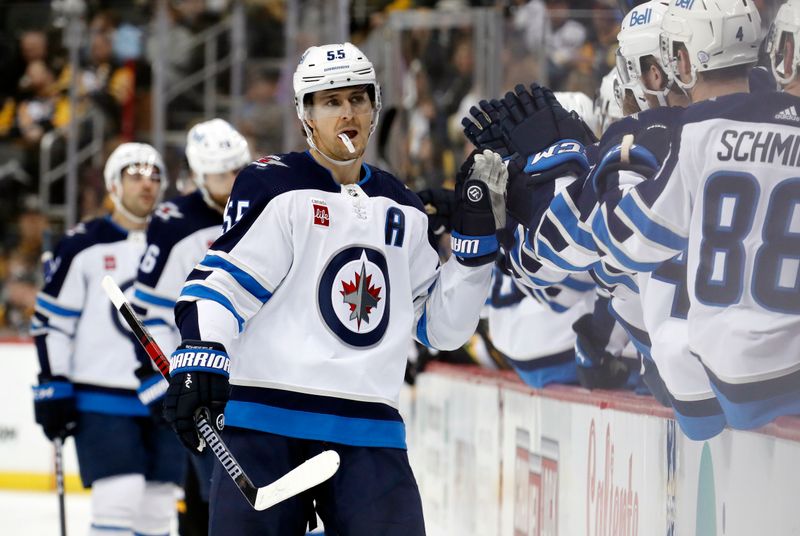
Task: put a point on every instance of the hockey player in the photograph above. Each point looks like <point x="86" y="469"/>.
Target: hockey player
<point x="296" y="322"/>
<point x="178" y="237"/>
<point x="721" y="193"/>
<point x="564" y="241"/>
<point x="783" y="46"/>
<point x="87" y="385"/>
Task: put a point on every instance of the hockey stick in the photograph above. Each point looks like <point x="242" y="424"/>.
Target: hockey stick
<point x="310" y="473"/>
<point x="62" y="514"/>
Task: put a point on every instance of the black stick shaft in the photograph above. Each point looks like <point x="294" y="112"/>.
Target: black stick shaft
<point x="207" y="431"/>
<point x="62" y="513"/>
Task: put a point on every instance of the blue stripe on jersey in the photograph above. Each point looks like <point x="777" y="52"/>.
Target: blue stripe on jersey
<point x="533" y="279"/>
<point x="577" y="284"/>
<point x="601" y="233"/>
<point x="205" y="293"/>
<point x="57" y="309"/>
<point x="114" y="528"/>
<point x="154" y="322"/>
<point x="422" y="329"/>
<point x="609" y="280"/>
<point x="353" y="431"/>
<point x="649" y="228"/>
<point x="546" y="252"/>
<point x="639" y="337"/>
<point x="571" y="224"/>
<point x="367" y="175"/>
<point x="152" y="299"/>
<point x="247" y="281"/>
<point x="110" y="404"/>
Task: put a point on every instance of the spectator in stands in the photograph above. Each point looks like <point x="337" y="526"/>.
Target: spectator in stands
<point x="41" y="106"/>
<point x="102" y="80"/>
<point x="20" y="267"/>
<point x="262" y="116"/>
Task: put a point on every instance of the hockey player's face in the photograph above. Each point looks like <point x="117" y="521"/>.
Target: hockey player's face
<point x="219" y="185"/>
<point x="340" y="111"/>
<point x="141" y="184"/>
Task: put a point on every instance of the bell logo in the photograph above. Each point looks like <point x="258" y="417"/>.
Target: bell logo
<point x="321" y="215"/>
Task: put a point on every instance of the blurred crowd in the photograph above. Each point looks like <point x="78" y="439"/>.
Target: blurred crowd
<point x="568" y="45"/>
<point x="114" y="80"/>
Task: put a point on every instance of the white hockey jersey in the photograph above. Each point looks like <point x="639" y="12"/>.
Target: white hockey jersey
<point x="315" y="290"/>
<point x="77" y="330"/>
<point x="727" y="195"/>
<point x="180" y="232"/>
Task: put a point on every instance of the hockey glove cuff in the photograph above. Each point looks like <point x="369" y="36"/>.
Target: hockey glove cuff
<point x="198" y="381"/>
<point x="54" y="407"/>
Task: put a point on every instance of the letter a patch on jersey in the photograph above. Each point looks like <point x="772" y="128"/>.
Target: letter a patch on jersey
<point x="109" y="262"/>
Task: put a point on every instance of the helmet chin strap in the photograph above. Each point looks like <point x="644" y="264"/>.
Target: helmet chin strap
<point x="119" y="206"/>
<point x="310" y="140"/>
<point x="208" y="199"/>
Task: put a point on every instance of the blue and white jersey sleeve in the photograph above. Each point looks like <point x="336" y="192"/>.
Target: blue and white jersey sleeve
<point x="447" y="299"/>
<point x="59" y="306"/>
<point x="642" y="222"/>
<point x="178" y="236"/>
<point x="241" y="270"/>
<point x="563" y="239"/>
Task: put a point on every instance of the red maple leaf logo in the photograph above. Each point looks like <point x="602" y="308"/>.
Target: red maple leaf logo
<point x="361" y="296"/>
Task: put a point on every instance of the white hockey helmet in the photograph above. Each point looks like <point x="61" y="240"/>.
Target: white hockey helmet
<point x="126" y="155"/>
<point x="717" y="34"/>
<point x="786" y="25"/>
<point x="329" y="67"/>
<point x="581" y="104"/>
<point x="639" y="38"/>
<point x="608" y="103"/>
<point x="215" y="147"/>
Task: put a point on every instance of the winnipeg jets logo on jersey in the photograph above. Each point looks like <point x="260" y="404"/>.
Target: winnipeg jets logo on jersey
<point x="354" y="296"/>
<point x="361" y="296"/>
<point x="78" y="229"/>
<point x="269" y="160"/>
<point x="167" y="210"/>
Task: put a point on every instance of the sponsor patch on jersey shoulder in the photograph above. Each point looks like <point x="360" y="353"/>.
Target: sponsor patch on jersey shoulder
<point x="320" y="213"/>
<point x="269" y="160"/>
<point x="110" y="262"/>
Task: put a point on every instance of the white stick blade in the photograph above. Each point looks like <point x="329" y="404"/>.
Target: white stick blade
<point x="113" y="291"/>
<point x="312" y="472"/>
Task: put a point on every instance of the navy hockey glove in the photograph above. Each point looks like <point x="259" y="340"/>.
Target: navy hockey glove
<point x="198" y="381"/>
<point x="54" y="407"/>
<point x="536" y="120"/>
<point x="479" y="183"/>
<point x="482" y="127"/>
<point x="440" y="205"/>
<point x="597" y="368"/>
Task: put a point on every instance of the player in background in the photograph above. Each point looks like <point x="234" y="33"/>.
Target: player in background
<point x="314" y="289"/>
<point x="178" y="236"/>
<point x="607" y="107"/>
<point x="783" y="47"/>
<point x="660" y="332"/>
<point x="723" y="192"/>
<point x="533" y="327"/>
<point x="88" y="383"/>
